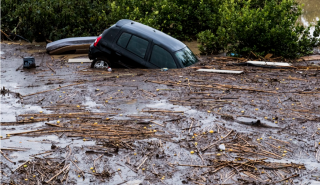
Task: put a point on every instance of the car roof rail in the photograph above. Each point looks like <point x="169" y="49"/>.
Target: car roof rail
<point x="122" y="22"/>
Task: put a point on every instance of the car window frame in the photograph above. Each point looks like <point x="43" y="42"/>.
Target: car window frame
<point x="151" y="51"/>
<point x="133" y="34"/>
<point x="128" y="40"/>
<point x="147" y="48"/>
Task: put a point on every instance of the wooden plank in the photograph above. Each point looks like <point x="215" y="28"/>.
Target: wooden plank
<point x="311" y="57"/>
<point x="268" y="63"/>
<point x="220" y="71"/>
<point x="74" y="60"/>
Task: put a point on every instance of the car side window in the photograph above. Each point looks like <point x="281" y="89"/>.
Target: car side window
<point x="123" y="39"/>
<point x="162" y="58"/>
<point x="138" y="46"/>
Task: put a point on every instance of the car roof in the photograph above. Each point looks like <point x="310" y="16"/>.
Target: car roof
<point x="169" y="42"/>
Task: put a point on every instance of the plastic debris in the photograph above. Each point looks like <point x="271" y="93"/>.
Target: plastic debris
<point x="222" y="147"/>
<point x="220" y="71"/>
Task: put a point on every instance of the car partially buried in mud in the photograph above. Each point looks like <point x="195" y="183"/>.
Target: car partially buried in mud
<point x="134" y="45"/>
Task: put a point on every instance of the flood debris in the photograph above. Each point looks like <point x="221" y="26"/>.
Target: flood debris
<point x="86" y="128"/>
<point x="4" y="155"/>
<point x="29" y="62"/>
<point x="4" y="90"/>
<point x="220" y="71"/>
<point x="70" y="45"/>
<point x="256" y="122"/>
<point x="311" y="58"/>
<point x="261" y="63"/>
<point x="77" y="125"/>
<point x="72" y="60"/>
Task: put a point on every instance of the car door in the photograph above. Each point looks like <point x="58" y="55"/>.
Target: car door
<point x="131" y="50"/>
<point x="161" y="58"/>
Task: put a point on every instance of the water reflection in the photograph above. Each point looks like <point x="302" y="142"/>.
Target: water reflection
<point x="311" y="15"/>
<point x="311" y="12"/>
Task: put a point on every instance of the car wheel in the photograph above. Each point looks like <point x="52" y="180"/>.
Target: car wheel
<point x="100" y="64"/>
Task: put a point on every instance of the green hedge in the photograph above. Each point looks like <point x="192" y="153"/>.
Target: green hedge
<point x="56" y="19"/>
<point x="53" y="19"/>
<point x="239" y="26"/>
<point x="270" y="28"/>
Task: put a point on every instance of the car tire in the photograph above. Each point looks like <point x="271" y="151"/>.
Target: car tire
<point x="100" y="64"/>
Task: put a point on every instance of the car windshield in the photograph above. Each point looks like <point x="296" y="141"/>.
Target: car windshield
<point x="186" y="57"/>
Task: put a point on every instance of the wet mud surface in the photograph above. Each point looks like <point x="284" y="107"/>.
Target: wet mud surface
<point x="65" y="123"/>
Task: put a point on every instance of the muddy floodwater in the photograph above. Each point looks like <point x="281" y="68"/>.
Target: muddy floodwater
<point x="65" y="123"/>
<point x="311" y="11"/>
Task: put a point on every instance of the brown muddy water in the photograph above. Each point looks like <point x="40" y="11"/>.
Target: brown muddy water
<point x="311" y="11"/>
<point x="64" y="123"/>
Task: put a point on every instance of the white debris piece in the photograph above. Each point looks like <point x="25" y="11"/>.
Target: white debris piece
<point x="79" y="60"/>
<point x="133" y="182"/>
<point x="220" y="71"/>
<point x="222" y="147"/>
<point x="268" y="63"/>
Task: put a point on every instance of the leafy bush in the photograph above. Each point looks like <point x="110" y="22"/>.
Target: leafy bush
<point x="183" y="19"/>
<point x="240" y="26"/>
<point x="270" y="28"/>
<point x="54" y="19"/>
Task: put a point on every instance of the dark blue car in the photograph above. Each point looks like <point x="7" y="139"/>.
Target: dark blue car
<point x="134" y="45"/>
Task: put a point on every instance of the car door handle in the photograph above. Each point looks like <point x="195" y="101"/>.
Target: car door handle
<point x="118" y="54"/>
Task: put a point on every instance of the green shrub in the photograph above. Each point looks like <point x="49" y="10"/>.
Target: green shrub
<point x="271" y="28"/>
<point x="238" y="26"/>
<point x="182" y="19"/>
<point x="56" y="19"/>
<point x="53" y="19"/>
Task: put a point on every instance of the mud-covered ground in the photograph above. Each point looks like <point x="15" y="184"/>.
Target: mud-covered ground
<point x="65" y="123"/>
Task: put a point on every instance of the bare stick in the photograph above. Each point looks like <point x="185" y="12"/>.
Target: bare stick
<point x="50" y="124"/>
<point x="148" y="93"/>
<point x="19" y="67"/>
<point x="211" y="145"/>
<point x="4" y="155"/>
<point x="69" y="153"/>
<point x="128" y="165"/>
<point x="198" y="152"/>
<point x="143" y="161"/>
<point x="231" y="174"/>
<point x="6" y="35"/>
<point x="78" y="167"/>
<point x="50" y="67"/>
<point x="94" y="162"/>
<point x="157" y="123"/>
<point x="20" y="166"/>
<point x="65" y="168"/>
<point x="295" y="175"/>
<point x="99" y="94"/>
<point x="191" y="126"/>
<point x="165" y="111"/>
<point x="51" y="89"/>
<point x="279" y="140"/>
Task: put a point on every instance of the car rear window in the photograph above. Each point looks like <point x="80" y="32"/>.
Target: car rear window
<point x="138" y="46"/>
<point x="123" y="39"/>
<point x="186" y="57"/>
<point x="162" y="58"/>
